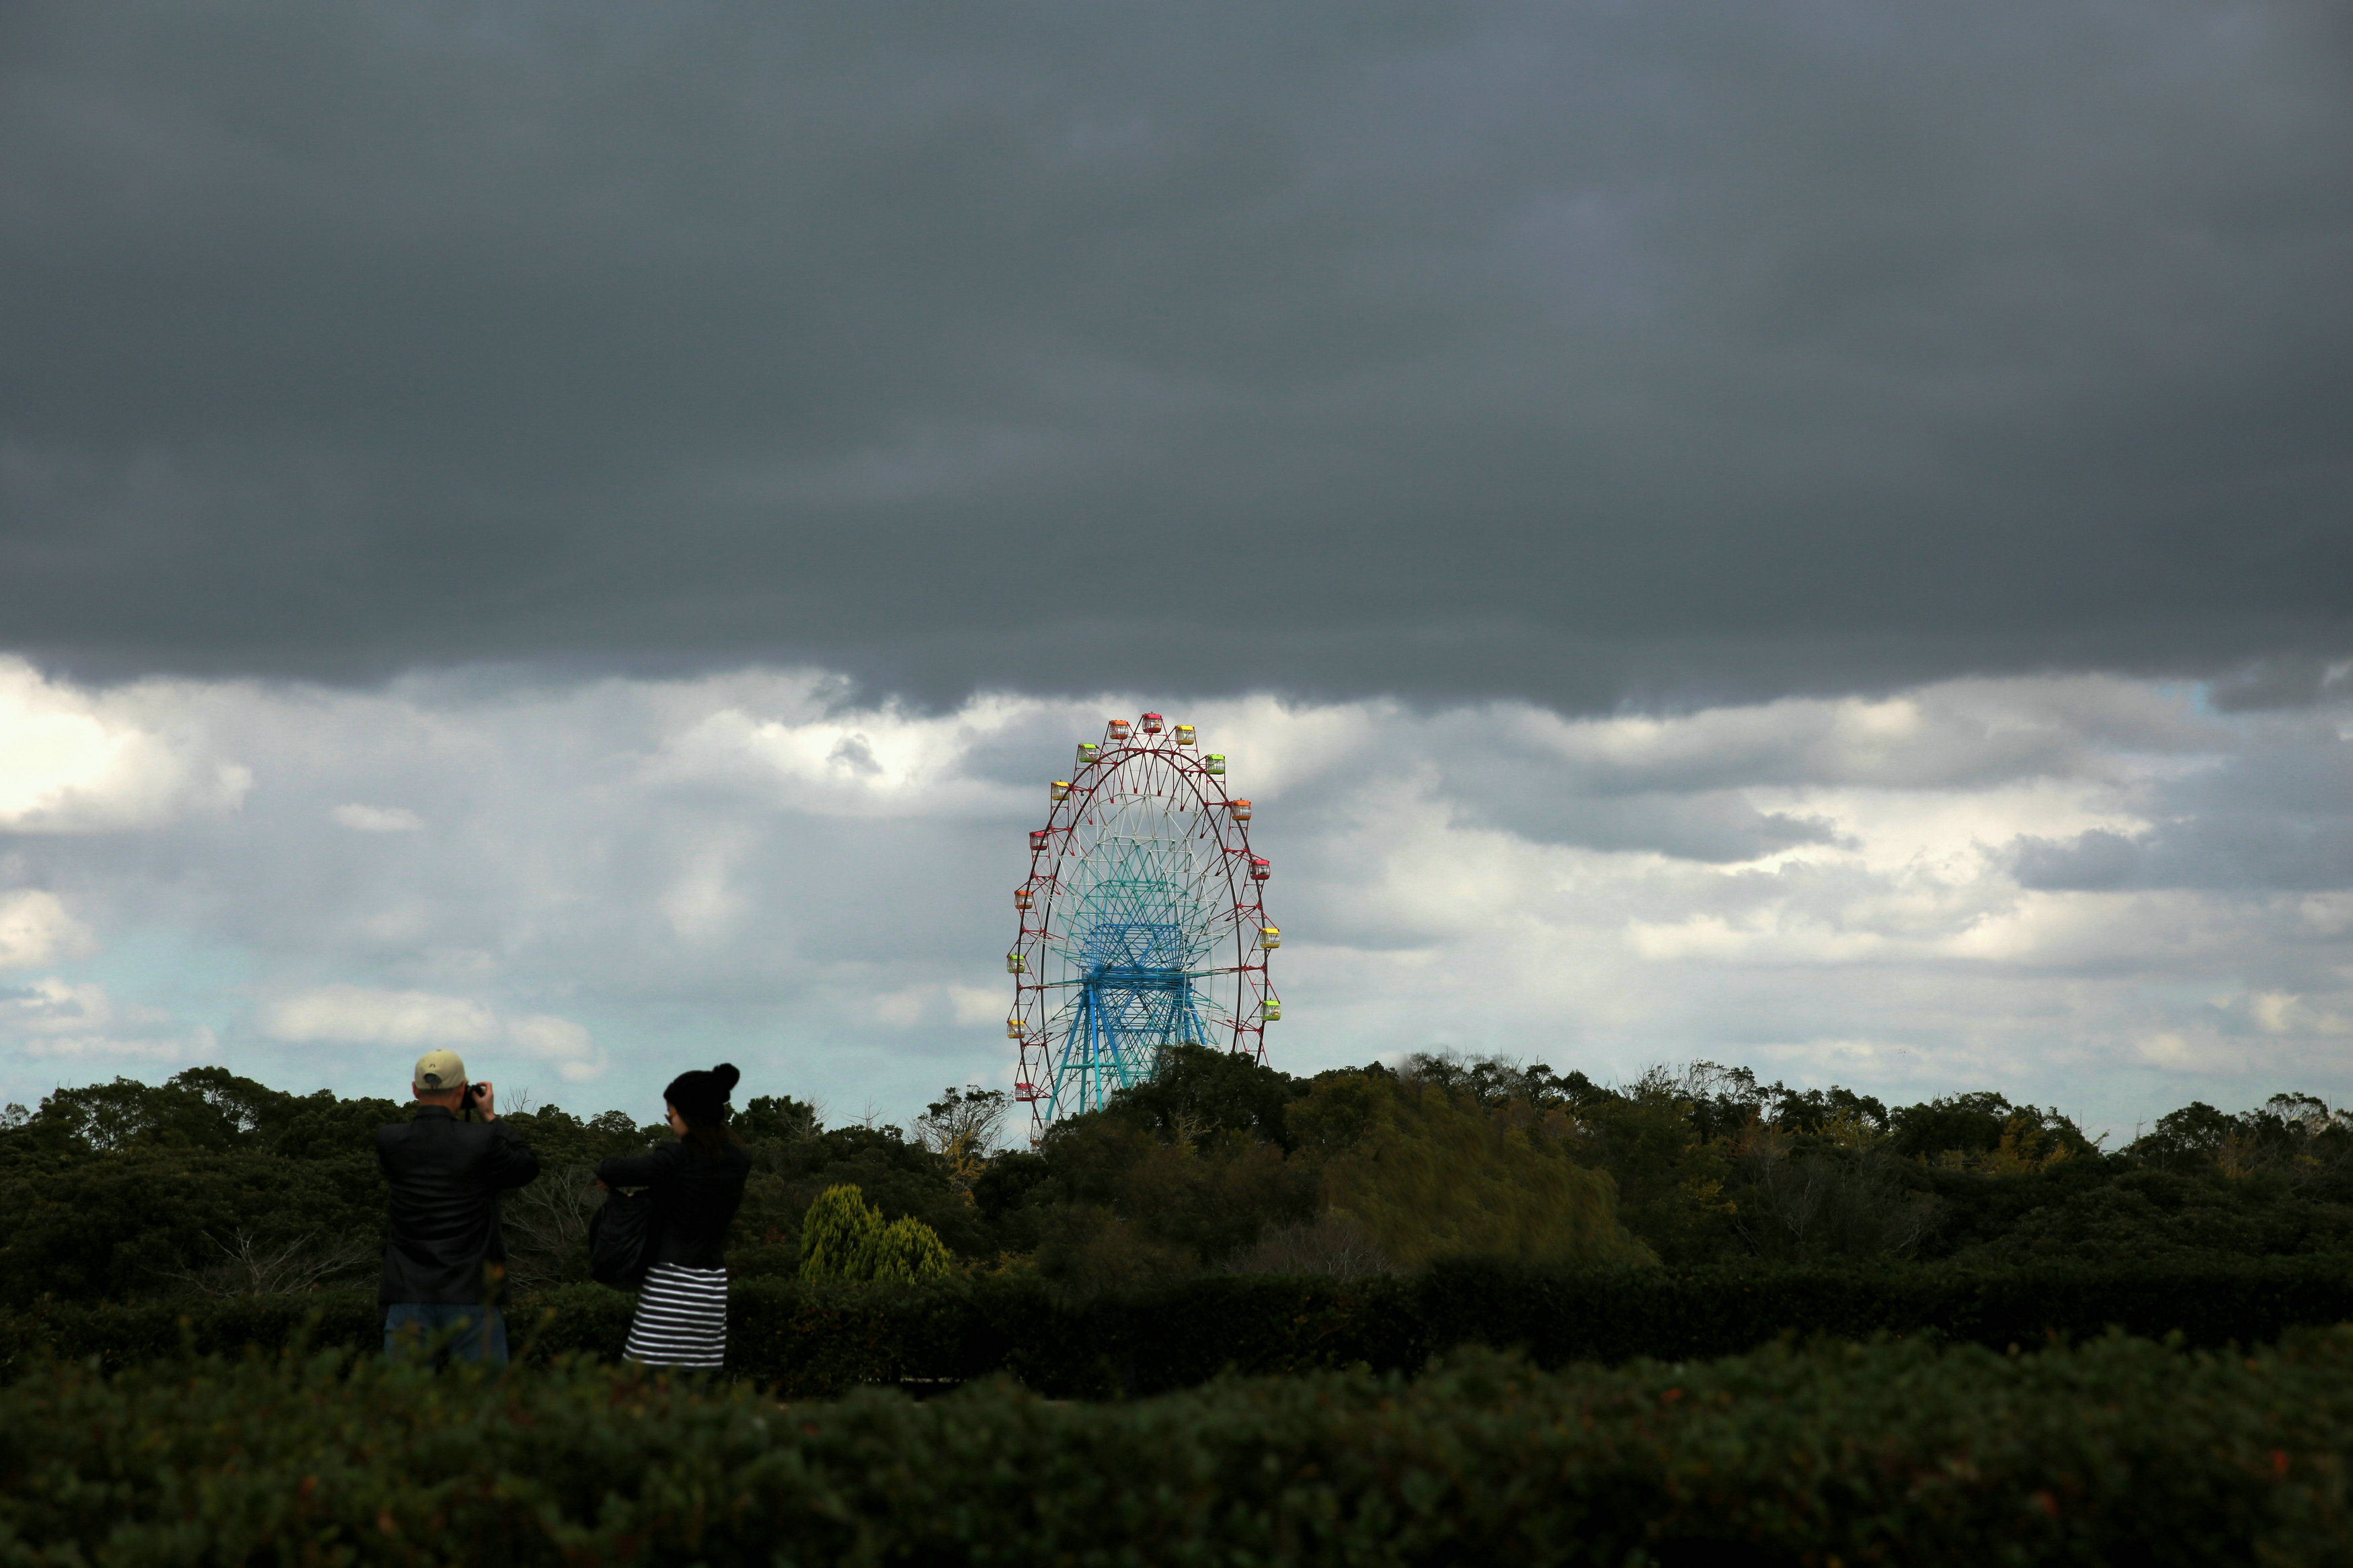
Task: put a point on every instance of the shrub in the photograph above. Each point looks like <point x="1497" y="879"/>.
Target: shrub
<point x="818" y="1337"/>
<point x="2122" y="1451"/>
<point x="844" y="1237"/>
<point x="907" y="1252"/>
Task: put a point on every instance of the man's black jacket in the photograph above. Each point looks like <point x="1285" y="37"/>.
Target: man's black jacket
<point x="446" y="1177"/>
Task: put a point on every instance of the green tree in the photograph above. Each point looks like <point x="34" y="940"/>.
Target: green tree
<point x="1197" y="1089"/>
<point x="906" y="1251"/>
<point x="845" y="1237"/>
<point x="1433" y="1173"/>
<point x="961" y="1128"/>
<point x="777" y="1118"/>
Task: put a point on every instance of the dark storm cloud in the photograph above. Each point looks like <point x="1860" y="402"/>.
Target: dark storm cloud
<point x="1579" y="352"/>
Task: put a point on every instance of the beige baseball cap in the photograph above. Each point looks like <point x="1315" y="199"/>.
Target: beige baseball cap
<point x="439" y="1072"/>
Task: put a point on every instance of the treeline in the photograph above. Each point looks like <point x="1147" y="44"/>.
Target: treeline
<point x="1223" y="1165"/>
<point x="213" y="1185"/>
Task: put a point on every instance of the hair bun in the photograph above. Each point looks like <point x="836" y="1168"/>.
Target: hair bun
<point x="727" y="1076"/>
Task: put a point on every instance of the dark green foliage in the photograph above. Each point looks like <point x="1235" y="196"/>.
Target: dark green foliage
<point x="777" y="1118"/>
<point x="1185" y="1333"/>
<point x="141" y="1333"/>
<point x="583" y="1319"/>
<point x="899" y="1178"/>
<point x="2155" y="1215"/>
<point x="1433" y="1172"/>
<point x="204" y="1108"/>
<point x="1198" y="1090"/>
<point x="2123" y="1451"/>
<point x="1109" y="1204"/>
<point x="211" y="1184"/>
<point x="136" y="1223"/>
<point x="1982" y="1123"/>
<point x="559" y="1138"/>
<point x="1176" y="1175"/>
<point x="807" y="1339"/>
<point x="1005" y="1185"/>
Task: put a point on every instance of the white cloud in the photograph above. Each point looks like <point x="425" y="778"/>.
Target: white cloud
<point x="975" y="1005"/>
<point x="54" y="1006"/>
<point x="358" y="1015"/>
<point x="36" y="930"/>
<point x="699" y="906"/>
<point x="561" y="1041"/>
<point x="362" y="1014"/>
<point x="55" y="1019"/>
<point x="93" y="1050"/>
<point x="747" y="867"/>
<point x="76" y="762"/>
<point x="377" y="818"/>
<point x="901" y="1009"/>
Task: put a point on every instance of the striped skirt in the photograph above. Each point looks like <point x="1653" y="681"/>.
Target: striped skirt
<point x="682" y="1317"/>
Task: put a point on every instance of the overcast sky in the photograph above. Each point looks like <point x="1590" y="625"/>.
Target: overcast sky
<point x="1818" y="535"/>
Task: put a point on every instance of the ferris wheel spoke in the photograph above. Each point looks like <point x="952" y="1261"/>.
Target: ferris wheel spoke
<point x="1142" y="892"/>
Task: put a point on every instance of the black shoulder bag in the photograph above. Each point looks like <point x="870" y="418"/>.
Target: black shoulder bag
<point x="621" y="1239"/>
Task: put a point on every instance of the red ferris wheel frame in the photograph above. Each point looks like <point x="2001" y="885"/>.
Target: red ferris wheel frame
<point x="1144" y="752"/>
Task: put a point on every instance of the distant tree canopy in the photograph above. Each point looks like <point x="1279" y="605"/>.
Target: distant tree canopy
<point x="1430" y="1171"/>
<point x="214" y="1182"/>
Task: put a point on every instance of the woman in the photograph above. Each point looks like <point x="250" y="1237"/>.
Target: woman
<point x="697" y="1182"/>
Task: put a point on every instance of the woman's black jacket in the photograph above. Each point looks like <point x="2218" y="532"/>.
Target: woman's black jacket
<point x="696" y="1190"/>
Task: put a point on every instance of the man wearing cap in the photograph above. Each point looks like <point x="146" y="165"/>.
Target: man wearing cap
<point x="445" y="1259"/>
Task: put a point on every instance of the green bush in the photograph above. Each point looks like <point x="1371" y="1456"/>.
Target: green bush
<point x="845" y="1237"/>
<point x="815" y="1337"/>
<point x="137" y="1333"/>
<point x="2123" y="1450"/>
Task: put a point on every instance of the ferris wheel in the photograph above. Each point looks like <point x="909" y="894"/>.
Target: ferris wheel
<point x="1142" y="922"/>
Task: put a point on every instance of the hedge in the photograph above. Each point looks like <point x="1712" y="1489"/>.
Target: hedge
<point x="2122" y="1451"/>
<point x="804" y="1340"/>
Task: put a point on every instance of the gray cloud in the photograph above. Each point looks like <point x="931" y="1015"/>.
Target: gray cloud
<point x="2098" y="862"/>
<point x="2285" y="681"/>
<point x="2088" y="886"/>
<point x="1586" y="353"/>
<point x="1720" y="826"/>
<point x="2236" y="850"/>
<point x="2272" y="812"/>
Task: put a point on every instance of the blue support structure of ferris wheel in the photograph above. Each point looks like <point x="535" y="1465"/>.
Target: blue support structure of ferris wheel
<point x="1134" y="995"/>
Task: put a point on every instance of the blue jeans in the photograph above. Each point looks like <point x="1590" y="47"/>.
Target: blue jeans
<point x="410" y="1326"/>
